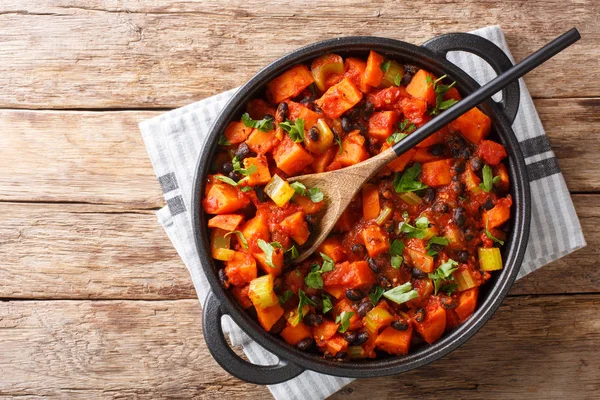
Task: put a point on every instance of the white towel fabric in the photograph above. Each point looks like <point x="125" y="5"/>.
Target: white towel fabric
<point x="174" y="141"/>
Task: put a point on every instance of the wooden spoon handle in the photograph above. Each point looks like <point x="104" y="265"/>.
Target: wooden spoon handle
<point x="488" y="90"/>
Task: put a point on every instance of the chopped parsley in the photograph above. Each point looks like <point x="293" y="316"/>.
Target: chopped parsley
<point x="396" y="249"/>
<point x="231" y="182"/>
<point x="408" y="182"/>
<point x="489" y="235"/>
<point x="442" y="241"/>
<point x="285" y="297"/>
<point x="265" y="124"/>
<point x="339" y="142"/>
<point x="240" y="236"/>
<point x="419" y="231"/>
<point x="440" y="90"/>
<point x="303" y="300"/>
<point x="314" y="194"/>
<point x="269" y="249"/>
<point x="401" y="294"/>
<point x="293" y="252"/>
<point x="397" y="79"/>
<point x="326" y="304"/>
<point x="294" y="129"/>
<point x="344" y="320"/>
<point x="385" y="66"/>
<point x="314" y="279"/>
<point x="396" y="137"/>
<point x="237" y="167"/>
<point x="404" y="128"/>
<point x="488" y="179"/>
<point x="376" y="294"/>
<point x="443" y="273"/>
<point x="223" y="141"/>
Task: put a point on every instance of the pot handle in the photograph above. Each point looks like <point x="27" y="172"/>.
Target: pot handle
<point x="490" y="53"/>
<point x="231" y="362"/>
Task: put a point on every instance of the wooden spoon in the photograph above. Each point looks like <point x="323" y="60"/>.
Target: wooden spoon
<point x="339" y="187"/>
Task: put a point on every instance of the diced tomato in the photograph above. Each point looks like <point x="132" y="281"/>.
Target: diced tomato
<point x="491" y="152"/>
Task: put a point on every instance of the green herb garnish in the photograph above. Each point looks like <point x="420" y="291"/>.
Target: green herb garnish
<point x="443" y="273"/>
<point x="488" y="179"/>
<point x="419" y="231"/>
<point x="265" y="124"/>
<point x="240" y="236"/>
<point x="337" y="139"/>
<point x="489" y="235"/>
<point x="303" y="300"/>
<point x="314" y="194"/>
<point x="440" y="90"/>
<point x="376" y="294"/>
<point x="237" y="167"/>
<point x="326" y="303"/>
<point x="223" y="141"/>
<point x="436" y="240"/>
<point x="294" y="129"/>
<point x="401" y="294"/>
<point x="397" y="79"/>
<point x="408" y="182"/>
<point x="385" y="65"/>
<point x="396" y="249"/>
<point x="314" y="279"/>
<point x="269" y="249"/>
<point x="285" y="296"/>
<point x="344" y="320"/>
<point x="293" y="252"/>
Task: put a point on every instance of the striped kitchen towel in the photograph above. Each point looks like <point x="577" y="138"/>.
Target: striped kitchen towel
<point x="174" y="141"/>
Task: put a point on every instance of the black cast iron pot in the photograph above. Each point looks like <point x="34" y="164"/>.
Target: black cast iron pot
<point x="432" y="57"/>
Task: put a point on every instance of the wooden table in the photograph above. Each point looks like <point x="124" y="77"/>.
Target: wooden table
<point x="95" y="300"/>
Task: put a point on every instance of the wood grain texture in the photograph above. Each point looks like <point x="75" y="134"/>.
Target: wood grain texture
<point x="100" y="156"/>
<point x="96" y="252"/>
<point x="148" y="54"/>
<point x="546" y="347"/>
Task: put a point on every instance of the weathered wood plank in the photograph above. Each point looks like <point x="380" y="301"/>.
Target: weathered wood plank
<point x="144" y="54"/>
<point x="546" y="347"/>
<point x="100" y="156"/>
<point x="85" y="251"/>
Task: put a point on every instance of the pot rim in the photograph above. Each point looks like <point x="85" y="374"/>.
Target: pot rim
<point x="513" y="251"/>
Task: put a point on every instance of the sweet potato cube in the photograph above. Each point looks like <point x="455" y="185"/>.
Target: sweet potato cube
<point x="262" y="175"/>
<point x="241" y="296"/>
<point x="373" y="72"/>
<point x="326" y="330"/>
<point x="277" y="260"/>
<point x="394" y="341"/>
<point x="323" y="160"/>
<point x="332" y="246"/>
<point x="491" y="152"/>
<point x="258" y="109"/>
<point x="290" y="84"/>
<point x="432" y="328"/>
<point x="236" y="132"/>
<point x="401" y="162"/>
<point x="334" y="345"/>
<point x="467" y="301"/>
<point x="414" y="110"/>
<point x="437" y="137"/>
<point x="227" y="222"/>
<point x="262" y="142"/>
<point x="421" y="87"/>
<point x="241" y="269"/>
<point x="499" y="214"/>
<point x="375" y="239"/>
<point x="255" y="229"/>
<point x="349" y="275"/>
<point x="294" y="334"/>
<point x="291" y="157"/>
<point x="437" y="173"/>
<point x="297" y="227"/>
<point x="308" y="206"/>
<point x="473" y="125"/>
<point x="472" y="181"/>
<point x="267" y="317"/>
<point x="382" y="124"/>
<point x="339" y="98"/>
<point x="354" y="69"/>
<point x="223" y="198"/>
<point x="354" y="150"/>
<point x="421" y="260"/>
<point x="501" y="172"/>
<point x="423" y="155"/>
<point x="370" y="201"/>
<point x="297" y="110"/>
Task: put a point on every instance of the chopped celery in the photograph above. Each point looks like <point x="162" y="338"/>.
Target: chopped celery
<point x="410" y="198"/>
<point x="294" y="317"/>
<point x="261" y="292"/>
<point x="384" y="215"/>
<point x="489" y="258"/>
<point x="223" y="254"/>
<point x="320" y="143"/>
<point x="377" y="318"/>
<point x="219" y="242"/>
<point x="332" y="64"/>
<point x="393" y="75"/>
<point x="279" y="190"/>
<point x="356" y="352"/>
<point x="464" y="280"/>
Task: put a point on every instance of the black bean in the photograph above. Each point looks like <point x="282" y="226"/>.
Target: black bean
<point x="429" y="195"/>
<point x="313" y="319"/>
<point x="400" y="325"/>
<point x="282" y="111"/>
<point x="448" y="302"/>
<point x="318" y="301"/>
<point x="465" y="153"/>
<point x="373" y="265"/>
<point x="459" y="168"/>
<point x="260" y="193"/>
<point x="341" y="355"/>
<point x="420" y="315"/>
<point x="362" y="128"/>
<point x="463" y="256"/>
<point x="368" y="109"/>
<point x="459" y="141"/>
<point x="350" y="337"/>
<point x="476" y="163"/>
<point x="440" y="207"/>
<point x="224" y="279"/>
<point x="437" y="149"/>
<point x="346" y="124"/>
<point x="455" y="151"/>
<point x="235" y="176"/>
<point x="305" y="344"/>
<point x="243" y="151"/>
<point x="278" y="285"/>
<point x="317" y="109"/>
<point x="310" y="219"/>
<point x="361" y="338"/>
<point x="384" y="282"/>
<point x="418" y="274"/>
<point x="468" y="238"/>
<point x="459" y="216"/>
<point x="354" y="294"/>
<point x="364" y="307"/>
<point x="313" y="133"/>
<point x="406" y="79"/>
<point x="226" y="167"/>
<point x="458" y="187"/>
<point x="436" y="247"/>
<point x="489" y="204"/>
<point x="358" y="248"/>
